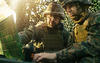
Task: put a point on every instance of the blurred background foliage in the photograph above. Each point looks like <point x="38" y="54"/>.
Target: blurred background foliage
<point x="31" y="11"/>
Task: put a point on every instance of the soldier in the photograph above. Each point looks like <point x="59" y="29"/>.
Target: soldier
<point x="86" y="32"/>
<point x="51" y="32"/>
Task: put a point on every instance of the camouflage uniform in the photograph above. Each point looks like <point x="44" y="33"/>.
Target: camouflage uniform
<point x="55" y="38"/>
<point x="49" y="36"/>
<point x="86" y="50"/>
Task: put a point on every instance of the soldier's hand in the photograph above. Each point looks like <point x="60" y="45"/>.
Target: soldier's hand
<point x="40" y="56"/>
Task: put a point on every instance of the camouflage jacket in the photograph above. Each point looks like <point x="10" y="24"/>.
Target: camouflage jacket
<point x="53" y="38"/>
<point x="86" y="51"/>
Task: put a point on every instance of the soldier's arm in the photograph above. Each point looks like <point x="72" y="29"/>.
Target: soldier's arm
<point x="26" y="35"/>
<point x="32" y="33"/>
<point x="91" y="47"/>
<point x="68" y="39"/>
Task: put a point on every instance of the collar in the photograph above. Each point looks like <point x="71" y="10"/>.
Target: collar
<point x="83" y="18"/>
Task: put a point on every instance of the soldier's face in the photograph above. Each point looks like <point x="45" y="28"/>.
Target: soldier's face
<point x="53" y="20"/>
<point x="73" y="10"/>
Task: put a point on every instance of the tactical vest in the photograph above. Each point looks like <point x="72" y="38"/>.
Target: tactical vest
<point x="81" y="32"/>
<point x="52" y="38"/>
<point x="53" y="41"/>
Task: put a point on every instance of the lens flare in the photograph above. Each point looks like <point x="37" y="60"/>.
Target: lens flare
<point x="5" y="11"/>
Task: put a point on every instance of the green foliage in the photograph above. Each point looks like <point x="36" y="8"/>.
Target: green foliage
<point x="96" y="5"/>
<point x="31" y="11"/>
<point x="68" y="24"/>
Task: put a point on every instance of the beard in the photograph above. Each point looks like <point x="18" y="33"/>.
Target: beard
<point x="76" y="17"/>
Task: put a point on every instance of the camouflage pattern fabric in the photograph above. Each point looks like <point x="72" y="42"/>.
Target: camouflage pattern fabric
<point x="86" y="51"/>
<point x="54" y="39"/>
<point x="49" y="36"/>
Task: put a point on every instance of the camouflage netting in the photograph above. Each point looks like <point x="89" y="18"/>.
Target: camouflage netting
<point x="31" y="11"/>
<point x="96" y="5"/>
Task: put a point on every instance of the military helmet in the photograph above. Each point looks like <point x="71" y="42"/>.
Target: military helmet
<point x="85" y="2"/>
<point x="56" y="9"/>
